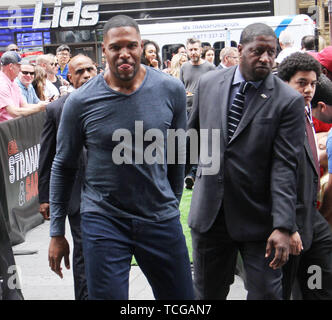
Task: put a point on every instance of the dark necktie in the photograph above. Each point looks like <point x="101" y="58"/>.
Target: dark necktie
<point x="236" y="109"/>
<point x="312" y="144"/>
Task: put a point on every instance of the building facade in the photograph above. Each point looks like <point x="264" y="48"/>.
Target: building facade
<point x="42" y="25"/>
<point x="319" y="14"/>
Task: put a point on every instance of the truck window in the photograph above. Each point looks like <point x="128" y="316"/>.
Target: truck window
<point x="168" y="50"/>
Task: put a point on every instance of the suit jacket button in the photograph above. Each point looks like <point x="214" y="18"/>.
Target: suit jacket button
<point x="316" y="180"/>
<point x="315" y="203"/>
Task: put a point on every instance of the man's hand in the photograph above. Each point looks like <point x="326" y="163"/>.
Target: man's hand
<point x="41" y="105"/>
<point x="295" y="244"/>
<point x="279" y="240"/>
<point x="44" y="209"/>
<point x="58" y="249"/>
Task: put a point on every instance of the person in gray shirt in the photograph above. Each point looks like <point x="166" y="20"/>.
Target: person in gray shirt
<point x="131" y="194"/>
<point x="189" y="74"/>
<point x="192" y="70"/>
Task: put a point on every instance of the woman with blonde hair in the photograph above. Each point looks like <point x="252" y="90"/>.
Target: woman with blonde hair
<point x="39" y="82"/>
<point x="176" y="63"/>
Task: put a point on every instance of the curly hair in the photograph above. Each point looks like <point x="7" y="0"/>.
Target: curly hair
<point x="144" y="60"/>
<point x="298" y="61"/>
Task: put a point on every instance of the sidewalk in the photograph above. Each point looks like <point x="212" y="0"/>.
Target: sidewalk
<point x="40" y="283"/>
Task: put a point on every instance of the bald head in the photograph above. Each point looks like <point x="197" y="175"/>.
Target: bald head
<point x="254" y="30"/>
<point x="81" y="69"/>
<point x="229" y="56"/>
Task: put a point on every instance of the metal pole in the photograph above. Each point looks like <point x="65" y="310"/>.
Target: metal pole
<point x="330" y="19"/>
<point x="316" y="27"/>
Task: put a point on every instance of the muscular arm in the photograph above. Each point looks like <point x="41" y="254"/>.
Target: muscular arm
<point x="26" y="109"/>
<point x="65" y="164"/>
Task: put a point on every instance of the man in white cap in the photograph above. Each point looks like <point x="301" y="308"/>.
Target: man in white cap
<point x="12" y="104"/>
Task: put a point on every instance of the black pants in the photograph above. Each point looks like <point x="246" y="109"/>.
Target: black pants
<point x="215" y="256"/>
<point x="312" y="269"/>
<point x="80" y="285"/>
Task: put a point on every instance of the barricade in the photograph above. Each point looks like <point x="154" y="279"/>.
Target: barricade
<point x="19" y="160"/>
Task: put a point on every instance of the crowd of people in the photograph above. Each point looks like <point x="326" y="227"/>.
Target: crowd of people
<point x="269" y="200"/>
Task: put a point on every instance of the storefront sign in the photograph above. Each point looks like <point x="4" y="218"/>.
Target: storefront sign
<point x="70" y="16"/>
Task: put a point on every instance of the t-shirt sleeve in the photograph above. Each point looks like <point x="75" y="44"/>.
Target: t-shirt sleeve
<point x="65" y="164"/>
<point x="5" y="97"/>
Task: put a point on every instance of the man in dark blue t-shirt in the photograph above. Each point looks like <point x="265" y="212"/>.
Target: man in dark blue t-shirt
<point x="131" y="190"/>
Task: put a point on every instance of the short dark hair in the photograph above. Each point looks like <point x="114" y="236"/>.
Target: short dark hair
<point x="63" y="47"/>
<point x="205" y="50"/>
<point x="193" y="41"/>
<point x="119" y="21"/>
<point x="298" y="61"/>
<point x="178" y="47"/>
<point x="308" y="42"/>
<point x="323" y="91"/>
<point x="254" y="30"/>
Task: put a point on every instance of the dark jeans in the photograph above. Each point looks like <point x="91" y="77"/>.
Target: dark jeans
<point x="319" y="255"/>
<point x="80" y="286"/>
<point x="159" y="248"/>
<point x="215" y="257"/>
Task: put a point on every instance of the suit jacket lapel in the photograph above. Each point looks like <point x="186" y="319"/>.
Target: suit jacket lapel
<point x="224" y="91"/>
<point x="257" y="102"/>
<point x="309" y="153"/>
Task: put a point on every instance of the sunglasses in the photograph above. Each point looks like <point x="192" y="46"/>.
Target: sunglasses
<point x="17" y="50"/>
<point x="54" y="64"/>
<point x="28" y="72"/>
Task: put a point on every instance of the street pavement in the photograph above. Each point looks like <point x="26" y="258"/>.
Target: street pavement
<point x="38" y="282"/>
